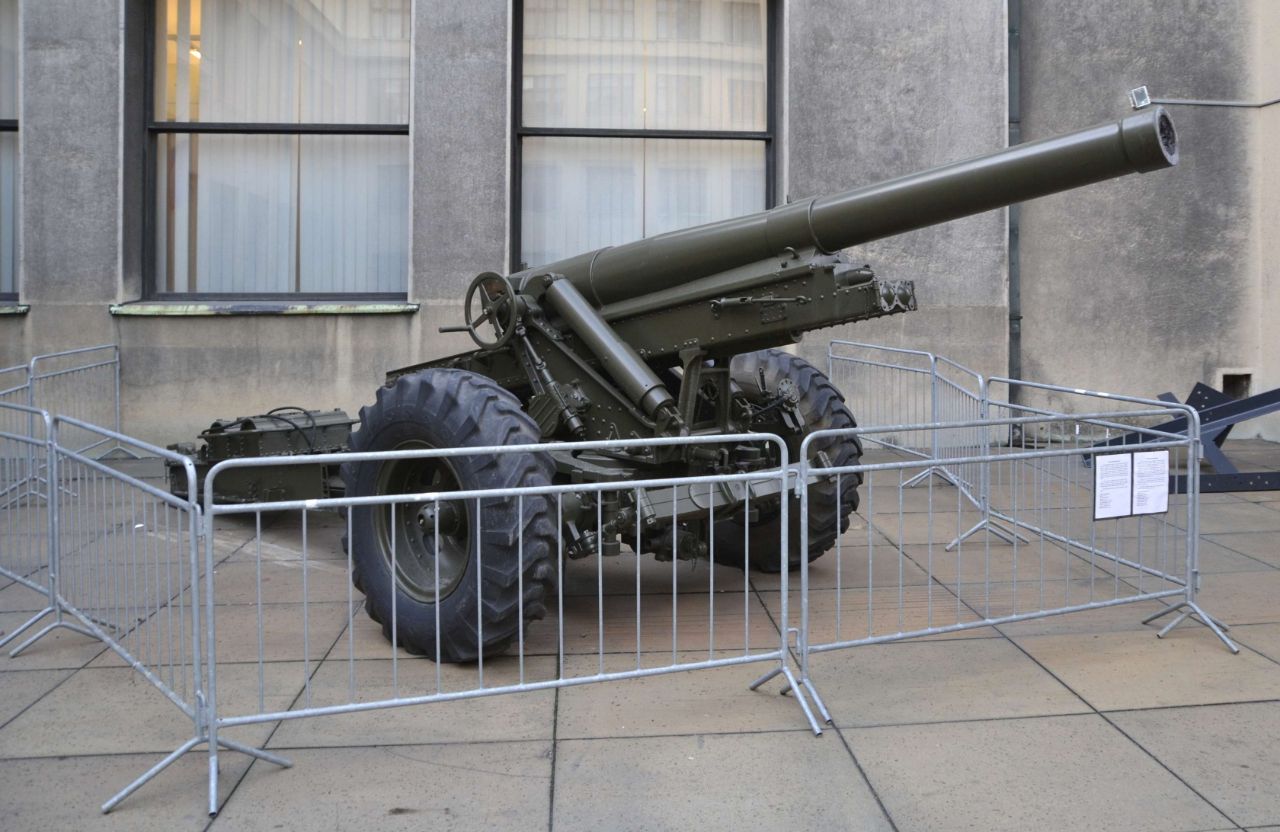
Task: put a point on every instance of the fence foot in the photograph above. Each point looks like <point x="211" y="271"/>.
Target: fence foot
<point x="792" y="686"/>
<point x="766" y="677"/>
<point x="151" y="773"/>
<point x="1008" y="535"/>
<point x="1161" y="613"/>
<point x="267" y="756"/>
<point x="12" y="501"/>
<point x="932" y="471"/>
<point x="189" y="745"/>
<point x="32" y="492"/>
<point x="26" y="626"/>
<point x="118" y="451"/>
<point x="817" y="700"/>
<point x="1168" y="609"/>
<point x="1177" y="619"/>
<point x="1192" y="610"/>
<point x="802" y="701"/>
<point x="49" y="629"/>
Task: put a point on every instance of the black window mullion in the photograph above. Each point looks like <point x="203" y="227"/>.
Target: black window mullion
<point x="150" y="276"/>
<point x="642" y="133"/>
<point x="151" y="290"/>
<point x="9" y="125"/>
<point x="278" y="129"/>
<point x="515" y="209"/>
<point x="519" y="131"/>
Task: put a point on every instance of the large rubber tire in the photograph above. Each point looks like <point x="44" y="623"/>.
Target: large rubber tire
<point x="823" y="408"/>
<point x="450" y="409"/>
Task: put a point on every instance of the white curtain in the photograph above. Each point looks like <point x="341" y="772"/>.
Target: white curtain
<point x="631" y="65"/>
<point x="580" y="194"/>
<point x="283" y="213"/>
<point x="8" y="146"/>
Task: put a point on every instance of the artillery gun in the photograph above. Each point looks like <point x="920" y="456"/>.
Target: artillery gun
<point x="673" y="335"/>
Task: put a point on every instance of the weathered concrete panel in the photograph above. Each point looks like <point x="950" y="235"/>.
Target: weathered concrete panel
<point x="876" y="90"/>
<point x="1266" y="187"/>
<point x="71" y="161"/>
<point x="180" y="373"/>
<point x="1139" y="285"/>
<point x="459" y="144"/>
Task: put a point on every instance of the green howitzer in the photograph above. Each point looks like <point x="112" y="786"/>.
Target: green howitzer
<point x="673" y="335"/>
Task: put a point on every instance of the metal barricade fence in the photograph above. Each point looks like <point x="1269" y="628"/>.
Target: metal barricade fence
<point x="963" y="523"/>
<point x="927" y="561"/>
<point x="129" y="566"/>
<point x="15" y="384"/>
<point x="611" y="615"/>
<point x="894" y="386"/>
<point x="1119" y="431"/>
<point x="888" y="386"/>
<point x="117" y="556"/>
<point x="83" y="384"/>
<point x="24" y="516"/>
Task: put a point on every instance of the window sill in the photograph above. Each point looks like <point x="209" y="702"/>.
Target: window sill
<point x="171" y="309"/>
<point x="14" y="308"/>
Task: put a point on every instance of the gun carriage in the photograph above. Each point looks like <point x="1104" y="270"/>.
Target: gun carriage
<point x="673" y="335"/>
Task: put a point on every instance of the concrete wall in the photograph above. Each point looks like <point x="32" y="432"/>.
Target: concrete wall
<point x="1140" y="285"/>
<point x="70" y="177"/>
<point x="876" y="90"/>
<point x="1266" y="212"/>
<point x="1143" y="284"/>
<point x="180" y="372"/>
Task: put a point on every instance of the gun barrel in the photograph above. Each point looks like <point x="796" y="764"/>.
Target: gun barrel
<point x="1139" y="143"/>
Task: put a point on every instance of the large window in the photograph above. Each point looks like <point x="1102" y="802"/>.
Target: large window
<point x="280" y="147"/>
<point x="8" y="148"/>
<point x="635" y="117"/>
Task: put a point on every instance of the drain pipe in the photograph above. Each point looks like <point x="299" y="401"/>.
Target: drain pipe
<point x="1014" y="12"/>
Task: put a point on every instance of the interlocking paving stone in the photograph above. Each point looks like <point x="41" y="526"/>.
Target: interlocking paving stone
<point x="711" y="782"/>
<point x="116" y="711"/>
<point x="485" y="786"/>
<point x="1226" y="753"/>
<point x="523" y="716"/>
<point x="1265" y="638"/>
<point x="937" y="681"/>
<point x="1243" y="597"/>
<point x="1115" y="671"/>
<point x="21" y="688"/>
<point x="706" y="701"/>
<point x="1264" y="546"/>
<point x="1060" y="773"/>
<point x="54" y="793"/>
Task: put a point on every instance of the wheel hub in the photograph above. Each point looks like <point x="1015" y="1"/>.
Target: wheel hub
<point x="442" y="518"/>
<point x="427" y="543"/>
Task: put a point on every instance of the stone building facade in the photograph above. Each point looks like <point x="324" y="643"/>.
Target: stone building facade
<point x="1141" y="285"/>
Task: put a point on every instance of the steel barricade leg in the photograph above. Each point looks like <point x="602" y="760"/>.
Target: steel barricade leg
<point x="204" y="668"/>
<point x="933" y="470"/>
<point x="116" y="379"/>
<point x="1189" y="607"/>
<point x="987" y="523"/>
<point x="805" y="679"/>
<point x="785" y="630"/>
<point x="53" y="530"/>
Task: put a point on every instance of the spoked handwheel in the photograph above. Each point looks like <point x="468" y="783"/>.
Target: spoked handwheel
<point x="498" y="308"/>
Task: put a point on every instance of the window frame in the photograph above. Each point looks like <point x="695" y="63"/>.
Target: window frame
<point x="519" y="132"/>
<point x="10" y="125"/>
<point x="150" y="215"/>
